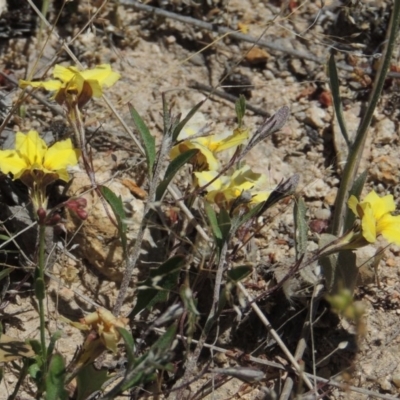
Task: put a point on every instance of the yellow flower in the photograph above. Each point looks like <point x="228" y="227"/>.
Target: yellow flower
<point x="208" y="145"/>
<point x="70" y="83"/>
<point x="227" y="189"/>
<point x="31" y="154"/>
<point x="376" y="218"/>
<point x="102" y="334"/>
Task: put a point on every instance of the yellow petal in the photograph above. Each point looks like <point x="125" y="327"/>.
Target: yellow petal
<point x="203" y="178"/>
<point x="96" y="88"/>
<point x="51" y="85"/>
<point x="260" y="197"/>
<point x="59" y="156"/>
<point x="368" y="223"/>
<point x="102" y="74"/>
<point x="352" y="203"/>
<point x="65" y="74"/>
<point x="380" y="205"/>
<point x="389" y="227"/>
<point x="204" y="160"/>
<point x="11" y="161"/>
<point x="31" y="146"/>
<point x="239" y="136"/>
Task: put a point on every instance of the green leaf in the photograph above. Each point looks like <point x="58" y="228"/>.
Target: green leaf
<point x="34" y="371"/>
<point x="57" y="335"/>
<point x="301" y="227"/>
<point x="117" y="206"/>
<point x="90" y="380"/>
<point x="148" y="140"/>
<point x="355" y="190"/>
<point x="337" y="101"/>
<point x="224" y="224"/>
<point x="165" y="341"/>
<point x="5" y="272"/>
<point x="346" y="272"/>
<point x="157" y="287"/>
<point x="240" y="108"/>
<point x="156" y="359"/>
<point x="55" y="379"/>
<point x="253" y="212"/>
<point x="239" y="273"/>
<point x="339" y="269"/>
<point x="129" y="346"/>
<point x="212" y="219"/>
<point x="175" y="165"/>
<point x="328" y="264"/>
<point x="185" y="120"/>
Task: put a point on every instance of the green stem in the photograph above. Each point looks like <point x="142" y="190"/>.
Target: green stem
<point x="40" y="294"/>
<point x="355" y="152"/>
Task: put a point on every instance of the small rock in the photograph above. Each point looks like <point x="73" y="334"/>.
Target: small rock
<point x="385" y="131"/>
<point x="257" y="56"/>
<point x="315" y="117"/>
<point x="323" y="213"/>
<point x="396" y="380"/>
<point x="385" y="169"/>
<point x="171" y="39"/>
<point x="385" y="384"/>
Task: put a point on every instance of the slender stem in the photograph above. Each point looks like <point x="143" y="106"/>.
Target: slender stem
<point x="41" y="297"/>
<point x="355" y="153"/>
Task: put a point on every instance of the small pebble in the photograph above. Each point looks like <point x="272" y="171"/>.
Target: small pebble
<point x="396" y="379"/>
<point x="315" y="117"/>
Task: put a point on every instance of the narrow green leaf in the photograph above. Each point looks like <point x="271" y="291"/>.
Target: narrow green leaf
<point x="5" y="272"/>
<point x="185" y="120"/>
<point x="156" y="288"/>
<point x="165" y="341"/>
<point x="212" y="219"/>
<point x="239" y="273"/>
<point x="240" y="108"/>
<point x="301" y="227"/>
<point x="328" y="264"/>
<point x="337" y="101"/>
<point x="129" y="346"/>
<point x="224" y="224"/>
<point x="155" y="359"/>
<point x="148" y="140"/>
<point x="57" y="335"/>
<point x="346" y="272"/>
<point x="55" y="379"/>
<point x="90" y="380"/>
<point x="175" y="165"/>
<point x="117" y="206"/>
<point x="252" y="213"/>
<point x="355" y="190"/>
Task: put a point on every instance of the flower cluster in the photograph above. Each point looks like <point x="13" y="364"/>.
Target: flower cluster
<point x="226" y="190"/>
<point x="38" y="165"/>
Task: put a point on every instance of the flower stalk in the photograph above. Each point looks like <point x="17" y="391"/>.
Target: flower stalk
<point x="355" y="151"/>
